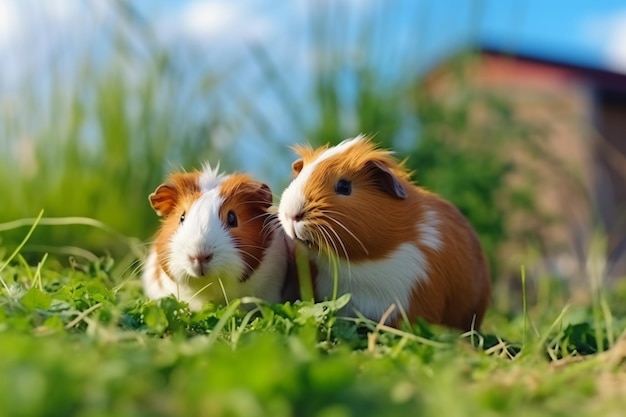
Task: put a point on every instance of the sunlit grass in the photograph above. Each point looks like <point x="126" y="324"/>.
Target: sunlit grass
<point x="303" y="359"/>
<point x="77" y="336"/>
<point x="97" y="147"/>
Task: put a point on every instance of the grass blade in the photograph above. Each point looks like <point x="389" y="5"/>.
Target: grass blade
<point x="19" y="247"/>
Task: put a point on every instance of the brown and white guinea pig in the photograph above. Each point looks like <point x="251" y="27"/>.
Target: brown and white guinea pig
<point x="387" y="240"/>
<point x="217" y="240"/>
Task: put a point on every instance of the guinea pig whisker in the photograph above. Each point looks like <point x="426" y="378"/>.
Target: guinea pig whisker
<point x="255" y="202"/>
<point x="326" y="211"/>
<point x="266" y="215"/>
<point x="136" y="267"/>
<point x="345" y="251"/>
<point x="316" y="236"/>
<point x="325" y="241"/>
<point x="269" y="229"/>
<point x="254" y="218"/>
<point x="253" y="257"/>
<point x="330" y="241"/>
<point x="247" y="267"/>
<point x="241" y="244"/>
<point x="332" y="257"/>
<point x="250" y="246"/>
<point x="350" y="233"/>
<point x="244" y="246"/>
<point x="269" y="219"/>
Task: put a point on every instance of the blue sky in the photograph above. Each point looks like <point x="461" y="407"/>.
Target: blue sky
<point x="591" y="32"/>
<point x="579" y="31"/>
<point x="414" y="36"/>
<point x="587" y="31"/>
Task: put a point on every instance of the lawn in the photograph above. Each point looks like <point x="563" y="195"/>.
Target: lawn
<point x="87" y="138"/>
<point x="84" y="341"/>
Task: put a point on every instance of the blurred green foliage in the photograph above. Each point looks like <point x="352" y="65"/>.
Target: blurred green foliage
<point x="456" y="137"/>
<point x="83" y="341"/>
<point x="98" y="145"/>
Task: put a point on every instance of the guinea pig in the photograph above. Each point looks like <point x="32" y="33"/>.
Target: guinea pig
<point x="217" y="240"/>
<point x="384" y="239"/>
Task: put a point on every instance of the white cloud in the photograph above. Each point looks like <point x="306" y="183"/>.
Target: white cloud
<point x="616" y="47"/>
<point x="222" y="20"/>
<point x="60" y="10"/>
<point x="609" y="34"/>
<point x="19" y="17"/>
<point x="209" y="18"/>
<point x="9" y="22"/>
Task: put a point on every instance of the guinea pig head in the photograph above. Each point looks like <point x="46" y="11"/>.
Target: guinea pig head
<point x="214" y="226"/>
<point x="352" y="201"/>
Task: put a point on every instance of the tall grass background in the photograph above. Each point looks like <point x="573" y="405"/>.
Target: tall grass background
<point x="98" y="114"/>
<point x="92" y="131"/>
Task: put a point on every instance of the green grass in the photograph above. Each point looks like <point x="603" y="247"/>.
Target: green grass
<point x="92" y="137"/>
<point x="77" y="337"/>
<point x="84" y="341"/>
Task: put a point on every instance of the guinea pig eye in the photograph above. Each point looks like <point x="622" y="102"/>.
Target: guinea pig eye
<point x="231" y="219"/>
<point x="343" y="187"/>
<point x="182" y="218"/>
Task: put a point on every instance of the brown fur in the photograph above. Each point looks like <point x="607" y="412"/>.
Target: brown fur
<point x="249" y="200"/>
<point x="170" y="200"/>
<point x="368" y="212"/>
<point x="381" y="213"/>
<point x="458" y="289"/>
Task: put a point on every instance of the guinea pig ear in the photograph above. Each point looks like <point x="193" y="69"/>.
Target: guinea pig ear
<point x="387" y="180"/>
<point x="297" y="166"/>
<point x="163" y="199"/>
<point x="264" y="194"/>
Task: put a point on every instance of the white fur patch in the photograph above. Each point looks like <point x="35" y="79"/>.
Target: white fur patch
<point x="375" y="285"/>
<point x="265" y="283"/>
<point x="153" y="278"/>
<point x="291" y="203"/>
<point x="210" y="178"/>
<point x="428" y="229"/>
<point x="203" y="232"/>
<point x="293" y="200"/>
<point x="306" y="172"/>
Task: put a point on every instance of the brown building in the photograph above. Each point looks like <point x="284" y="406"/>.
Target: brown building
<point x="581" y="171"/>
<point x="584" y="173"/>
